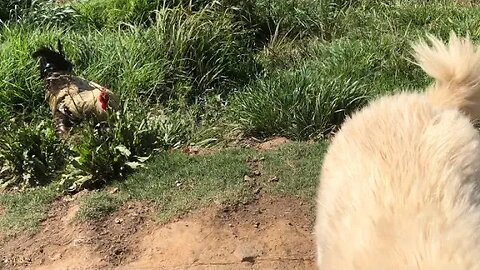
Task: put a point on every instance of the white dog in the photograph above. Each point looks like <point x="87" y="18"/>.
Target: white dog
<point x="400" y="183"/>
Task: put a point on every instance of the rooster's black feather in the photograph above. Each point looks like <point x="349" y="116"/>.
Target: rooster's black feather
<point x="52" y="61"/>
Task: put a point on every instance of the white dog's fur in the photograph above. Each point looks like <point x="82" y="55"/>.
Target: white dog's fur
<point x="400" y="183"/>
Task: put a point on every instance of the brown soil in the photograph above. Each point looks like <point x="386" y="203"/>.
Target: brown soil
<point x="266" y="144"/>
<point x="269" y="233"/>
<point x="272" y="143"/>
<point x="261" y="145"/>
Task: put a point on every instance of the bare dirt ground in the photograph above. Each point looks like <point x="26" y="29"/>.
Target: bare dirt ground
<point x="269" y="233"/>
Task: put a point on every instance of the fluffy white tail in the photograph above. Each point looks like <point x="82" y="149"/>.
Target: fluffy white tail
<point x="456" y="69"/>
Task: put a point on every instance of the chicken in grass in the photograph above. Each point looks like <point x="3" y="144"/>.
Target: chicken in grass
<point x="71" y="98"/>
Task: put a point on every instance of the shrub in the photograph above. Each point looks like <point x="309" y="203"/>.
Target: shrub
<point x="30" y="155"/>
<point x="110" y="150"/>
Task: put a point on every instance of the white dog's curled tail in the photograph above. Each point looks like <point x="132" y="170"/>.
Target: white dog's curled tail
<point x="456" y="69"/>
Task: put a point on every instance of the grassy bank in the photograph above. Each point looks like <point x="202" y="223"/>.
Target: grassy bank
<point x="177" y="182"/>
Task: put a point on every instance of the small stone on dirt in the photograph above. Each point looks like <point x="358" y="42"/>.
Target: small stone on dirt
<point x="68" y="198"/>
<point x="56" y="257"/>
<point x="79" y="241"/>
<point x="257" y="224"/>
<point x="250" y="259"/>
<point x="189" y="150"/>
<point x="247" y="178"/>
<point x="246" y="254"/>
<point x="257" y="173"/>
<point x="118" y="220"/>
<point x="117" y="251"/>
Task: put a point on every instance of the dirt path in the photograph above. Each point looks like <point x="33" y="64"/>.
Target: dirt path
<point x="270" y="233"/>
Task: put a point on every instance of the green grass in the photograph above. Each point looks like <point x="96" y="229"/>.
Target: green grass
<point x="410" y="21"/>
<point x="24" y="211"/>
<point x="21" y="90"/>
<point x="96" y="205"/>
<point x="297" y="167"/>
<point x="299" y="104"/>
<point x="178" y="182"/>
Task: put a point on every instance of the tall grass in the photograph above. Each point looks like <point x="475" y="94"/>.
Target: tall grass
<point x="181" y="56"/>
<point x="409" y="20"/>
<point x="111" y="13"/>
<point x="296" y="18"/>
<point x="299" y="104"/>
<point x="308" y="83"/>
<point x="20" y="87"/>
<point x="12" y="9"/>
<point x="38" y="12"/>
<point x="114" y="13"/>
<point x="208" y="47"/>
<point x="312" y="98"/>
